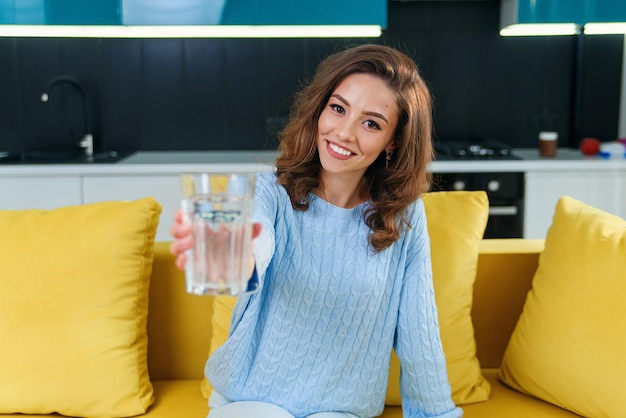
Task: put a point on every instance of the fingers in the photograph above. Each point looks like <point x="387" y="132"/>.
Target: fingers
<point x="183" y="239"/>
<point x="180" y="245"/>
<point x="256" y="229"/>
<point x="178" y="248"/>
<point x="181" y="260"/>
<point x="179" y="228"/>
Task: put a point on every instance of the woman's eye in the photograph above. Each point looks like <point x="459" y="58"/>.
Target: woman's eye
<point x="371" y="124"/>
<point x="337" y="108"/>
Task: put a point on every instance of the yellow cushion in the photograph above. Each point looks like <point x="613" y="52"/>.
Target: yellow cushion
<point x="74" y="287"/>
<point x="569" y="343"/>
<point x="220" y="325"/>
<point x="456" y="224"/>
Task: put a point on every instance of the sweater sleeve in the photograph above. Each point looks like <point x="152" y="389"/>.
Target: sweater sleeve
<point x="266" y="200"/>
<point x="424" y="379"/>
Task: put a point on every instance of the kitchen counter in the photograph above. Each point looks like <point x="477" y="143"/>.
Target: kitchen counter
<point x="599" y="182"/>
<point x="154" y="162"/>
<point x="530" y="161"/>
<point x="171" y="162"/>
<point x="201" y="157"/>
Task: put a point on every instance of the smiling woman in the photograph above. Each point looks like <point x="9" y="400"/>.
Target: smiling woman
<point x="342" y="256"/>
<point x="392" y="179"/>
<point x="358" y="123"/>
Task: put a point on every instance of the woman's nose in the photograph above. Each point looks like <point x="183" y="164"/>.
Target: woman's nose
<point x="346" y="129"/>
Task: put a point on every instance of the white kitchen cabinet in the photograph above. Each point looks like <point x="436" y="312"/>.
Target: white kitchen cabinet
<point x="39" y="192"/>
<point x="164" y="188"/>
<point x="622" y="194"/>
<point x="601" y="189"/>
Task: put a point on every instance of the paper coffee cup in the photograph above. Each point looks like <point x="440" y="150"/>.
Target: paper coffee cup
<point x="548" y="142"/>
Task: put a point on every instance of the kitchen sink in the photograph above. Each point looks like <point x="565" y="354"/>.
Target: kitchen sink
<point x="62" y="157"/>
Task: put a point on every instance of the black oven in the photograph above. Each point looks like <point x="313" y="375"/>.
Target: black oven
<point x="505" y="190"/>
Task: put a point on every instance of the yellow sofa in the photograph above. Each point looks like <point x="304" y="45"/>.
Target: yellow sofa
<point x="179" y="333"/>
<point x="542" y="315"/>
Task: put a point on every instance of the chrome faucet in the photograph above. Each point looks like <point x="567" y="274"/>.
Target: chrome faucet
<point x="86" y="141"/>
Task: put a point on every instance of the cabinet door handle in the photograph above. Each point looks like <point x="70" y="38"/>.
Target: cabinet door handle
<point x="503" y="211"/>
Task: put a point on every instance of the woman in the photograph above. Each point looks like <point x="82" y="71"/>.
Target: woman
<point x="342" y="255"/>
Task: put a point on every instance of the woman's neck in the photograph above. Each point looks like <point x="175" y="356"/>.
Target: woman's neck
<point x="342" y="192"/>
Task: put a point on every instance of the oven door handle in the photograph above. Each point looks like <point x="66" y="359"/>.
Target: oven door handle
<point x="503" y="211"/>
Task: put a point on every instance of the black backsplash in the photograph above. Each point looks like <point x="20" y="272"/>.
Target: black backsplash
<point x="214" y="94"/>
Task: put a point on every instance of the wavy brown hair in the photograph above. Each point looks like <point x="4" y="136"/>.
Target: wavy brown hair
<point x="392" y="189"/>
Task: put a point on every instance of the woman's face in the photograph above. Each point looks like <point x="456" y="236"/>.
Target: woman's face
<point x="356" y="125"/>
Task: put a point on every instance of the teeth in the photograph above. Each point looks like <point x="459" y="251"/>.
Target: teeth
<point x="339" y="150"/>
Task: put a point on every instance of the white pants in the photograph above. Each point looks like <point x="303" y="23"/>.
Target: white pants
<point x="222" y="408"/>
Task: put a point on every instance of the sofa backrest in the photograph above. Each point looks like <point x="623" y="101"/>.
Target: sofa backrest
<point x="179" y="324"/>
<point x="505" y="271"/>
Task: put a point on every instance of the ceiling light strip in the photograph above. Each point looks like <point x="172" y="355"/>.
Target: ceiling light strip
<point x="540" y="29"/>
<point x="605" y="28"/>
<point x="193" y="31"/>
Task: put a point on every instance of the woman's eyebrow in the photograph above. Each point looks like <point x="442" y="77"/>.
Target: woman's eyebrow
<point x="340" y="98"/>
<point x="375" y="114"/>
<point x="378" y="115"/>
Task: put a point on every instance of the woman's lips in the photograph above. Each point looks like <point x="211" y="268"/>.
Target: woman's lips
<point x="338" y="152"/>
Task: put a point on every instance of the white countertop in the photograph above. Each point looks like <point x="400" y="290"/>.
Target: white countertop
<point x="153" y="163"/>
<point x="174" y="162"/>
<point x="201" y="157"/>
<point x="529" y="160"/>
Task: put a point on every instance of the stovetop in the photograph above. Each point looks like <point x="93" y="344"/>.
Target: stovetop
<point x="473" y="150"/>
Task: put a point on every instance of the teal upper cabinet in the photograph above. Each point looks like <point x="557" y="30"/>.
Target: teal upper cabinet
<point x="194" y="12"/>
<point x="75" y="12"/>
<point x="562" y="11"/>
<point x="561" y="17"/>
<point x="60" y="12"/>
<point x="551" y="11"/>
<point x="605" y="11"/>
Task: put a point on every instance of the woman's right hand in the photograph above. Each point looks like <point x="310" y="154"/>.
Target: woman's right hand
<point x="182" y="239"/>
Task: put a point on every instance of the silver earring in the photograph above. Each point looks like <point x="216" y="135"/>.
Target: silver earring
<point x="388" y="158"/>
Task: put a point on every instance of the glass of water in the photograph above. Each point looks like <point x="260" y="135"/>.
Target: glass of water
<point x="219" y="208"/>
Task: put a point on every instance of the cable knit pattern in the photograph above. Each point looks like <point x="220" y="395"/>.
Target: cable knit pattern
<point x="318" y="334"/>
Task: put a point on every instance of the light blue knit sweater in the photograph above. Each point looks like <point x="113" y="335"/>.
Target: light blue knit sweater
<point x="318" y="334"/>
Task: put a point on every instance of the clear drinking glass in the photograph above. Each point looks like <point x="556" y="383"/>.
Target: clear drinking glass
<point x="219" y="208"/>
